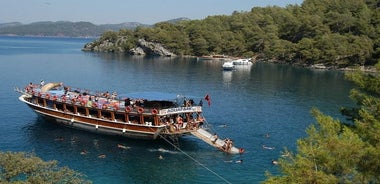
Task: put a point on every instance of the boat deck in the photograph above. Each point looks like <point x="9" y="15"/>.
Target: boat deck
<point x="220" y="144"/>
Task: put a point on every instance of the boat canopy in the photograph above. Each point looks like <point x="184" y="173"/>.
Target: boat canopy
<point x="50" y="86"/>
<point x="157" y="96"/>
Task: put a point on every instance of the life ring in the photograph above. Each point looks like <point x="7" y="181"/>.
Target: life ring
<point x="55" y="97"/>
<point x="241" y="150"/>
<point x="140" y="110"/>
<point x="47" y="95"/>
<point x="74" y="100"/>
<point x="82" y="102"/>
<point x="154" y="111"/>
<point x="94" y="104"/>
<point x="39" y="94"/>
<point x="128" y="109"/>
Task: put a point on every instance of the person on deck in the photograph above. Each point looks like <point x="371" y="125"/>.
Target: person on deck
<point x="214" y="138"/>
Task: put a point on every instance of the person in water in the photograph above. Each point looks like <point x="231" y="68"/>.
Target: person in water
<point x="267" y="147"/>
<point x="122" y="146"/>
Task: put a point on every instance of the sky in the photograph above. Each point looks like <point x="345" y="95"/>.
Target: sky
<point x="120" y="11"/>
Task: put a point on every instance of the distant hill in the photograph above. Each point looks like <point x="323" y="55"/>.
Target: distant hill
<point x="63" y="28"/>
<point x="68" y="29"/>
<point x="10" y="24"/>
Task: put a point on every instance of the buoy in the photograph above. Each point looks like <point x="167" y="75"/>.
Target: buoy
<point x="140" y="110"/>
<point x="241" y="150"/>
<point x="128" y="109"/>
<point x="154" y="111"/>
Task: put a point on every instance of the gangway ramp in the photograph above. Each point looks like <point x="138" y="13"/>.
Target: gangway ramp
<point x="208" y="138"/>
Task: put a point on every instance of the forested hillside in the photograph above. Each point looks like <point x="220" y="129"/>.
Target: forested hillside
<point x="336" y="33"/>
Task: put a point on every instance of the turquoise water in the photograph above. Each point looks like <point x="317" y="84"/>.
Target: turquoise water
<point x="252" y="101"/>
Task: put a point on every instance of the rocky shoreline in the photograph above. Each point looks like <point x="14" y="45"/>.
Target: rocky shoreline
<point x="142" y="48"/>
<point x="146" y="48"/>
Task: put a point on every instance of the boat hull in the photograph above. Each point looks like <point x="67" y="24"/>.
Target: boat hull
<point x="96" y="125"/>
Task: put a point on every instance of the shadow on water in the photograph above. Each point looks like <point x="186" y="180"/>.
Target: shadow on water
<point x="143" y="161"/>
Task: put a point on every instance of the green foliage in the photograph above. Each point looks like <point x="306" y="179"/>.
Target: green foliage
<point x="27" y="168"/>
<point x="336" y="33"/>
<point x="336" y="152"/>
<point x="110" y="36"/>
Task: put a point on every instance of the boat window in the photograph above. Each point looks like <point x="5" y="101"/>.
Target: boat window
<point x="106" y="114"/>
<point x="119" y="116"/>
<point x="59" y="106"/>
<point x="93" y="112"/>
<point x="148" y="119"/>
<point x="134" y="119"/>
<point x="40" y="101"/>
<point x="70" y="108"/>
<point x="82" y="110"/>
<point x="49" y="103"/>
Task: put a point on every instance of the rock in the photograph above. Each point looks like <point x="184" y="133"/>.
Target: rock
<point x="142" y="48"/>
<point x="154" y="49"/>
<point x="137" y="51"/>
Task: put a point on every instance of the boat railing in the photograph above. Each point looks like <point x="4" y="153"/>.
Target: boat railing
<point x="74" y="97"/>
<point x="191" y="117"/>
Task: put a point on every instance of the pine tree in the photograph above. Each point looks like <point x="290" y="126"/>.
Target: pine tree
<point x="336" y="151"/>
<point x="23" y="167"/>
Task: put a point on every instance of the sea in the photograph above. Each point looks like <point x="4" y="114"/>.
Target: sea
<point x="264" y="108"/>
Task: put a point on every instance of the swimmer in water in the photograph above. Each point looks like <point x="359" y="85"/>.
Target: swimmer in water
<point x="59" y="139"/>
<point x="223" y="125"/>
<point x="83" y="152"/>
<point x="122" y="146"/>
<point x="267" y="147"/>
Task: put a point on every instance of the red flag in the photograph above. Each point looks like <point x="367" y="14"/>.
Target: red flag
<point x="208" y="99"/>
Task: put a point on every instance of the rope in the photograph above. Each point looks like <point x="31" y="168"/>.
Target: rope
<point x="195" y="160"/>
<point x="209" y="126"/>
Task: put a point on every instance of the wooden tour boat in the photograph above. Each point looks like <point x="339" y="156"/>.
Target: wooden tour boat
<point x="128" y="117"/>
